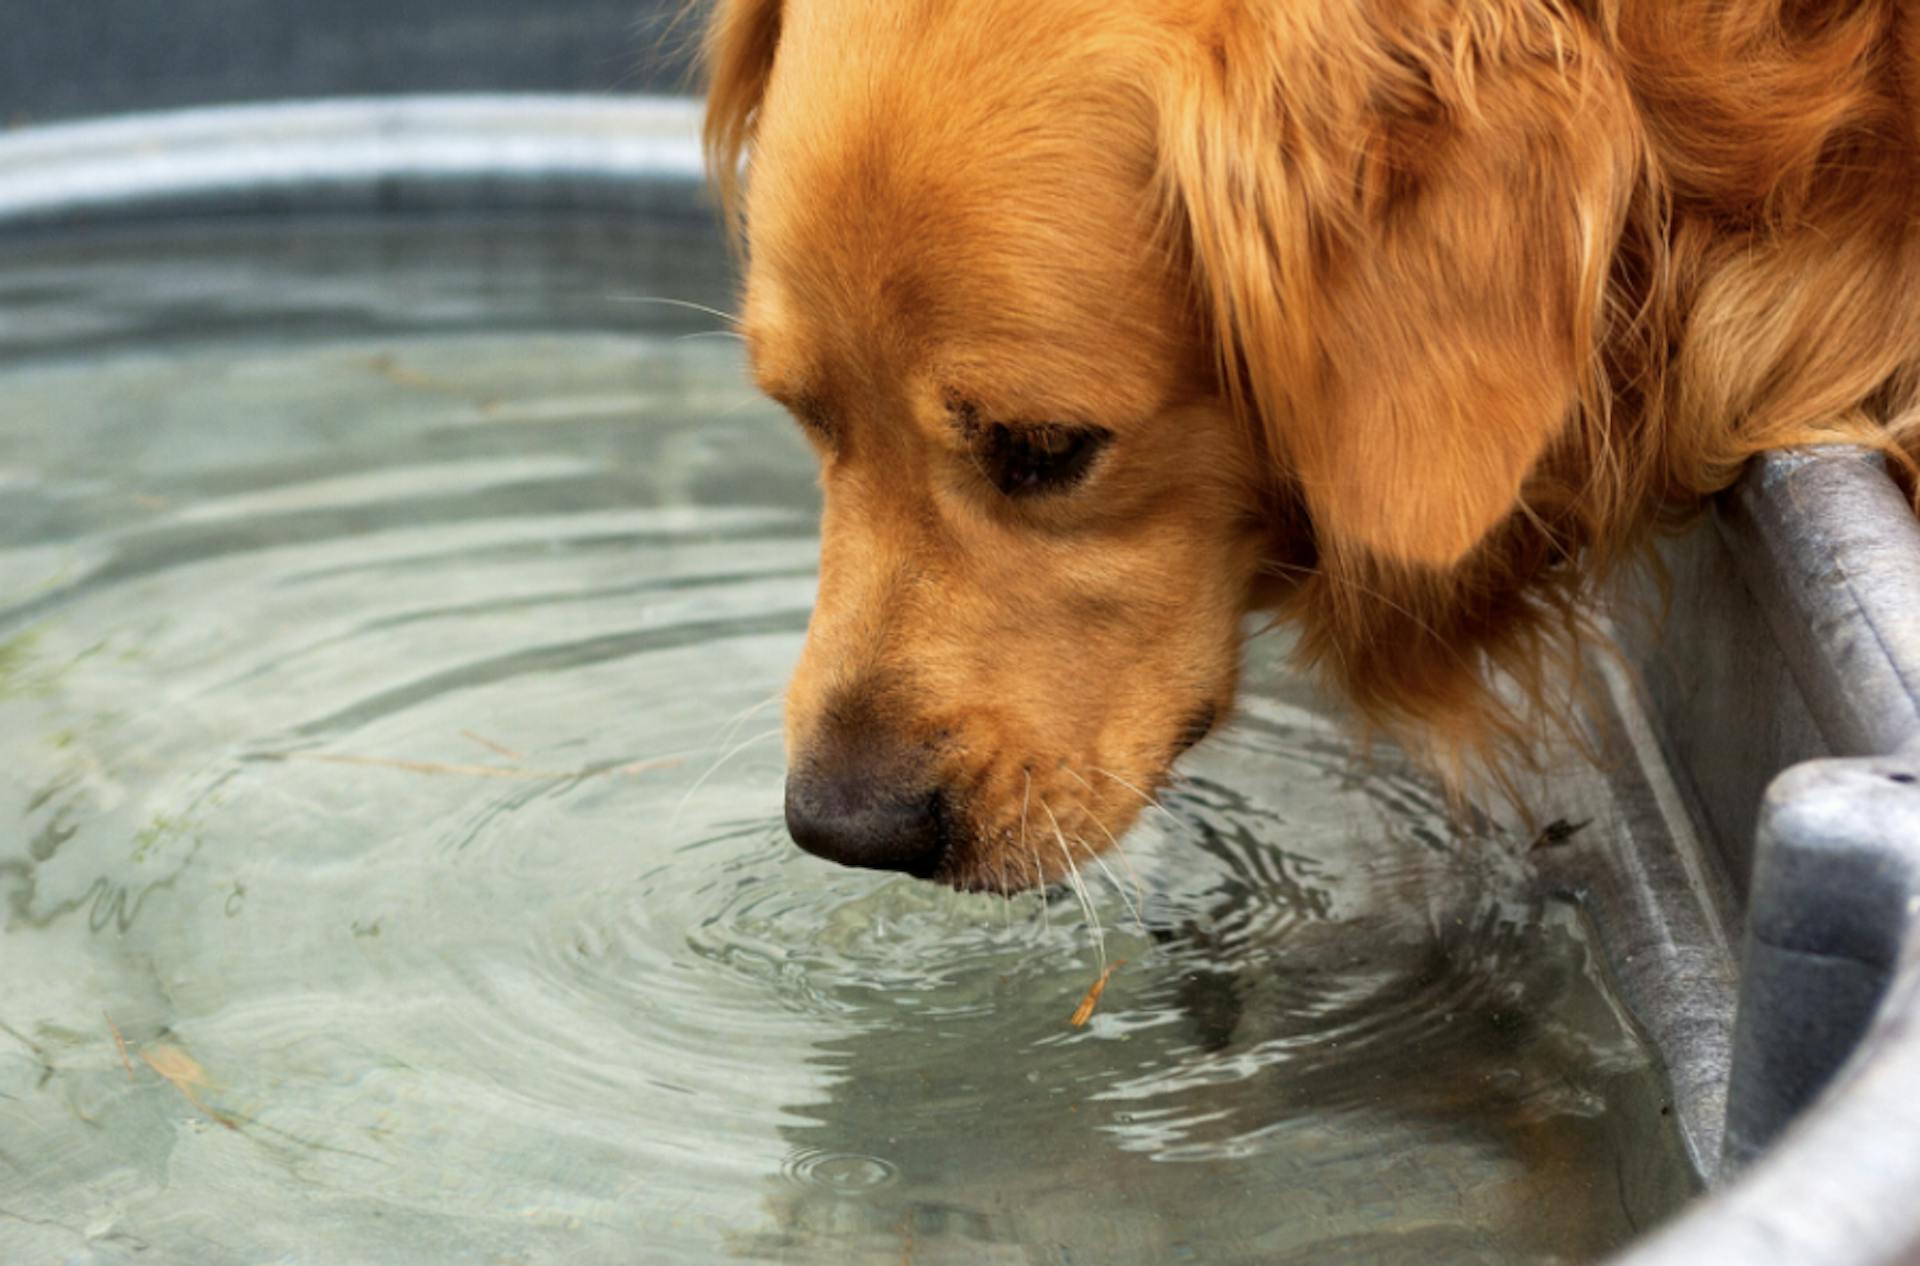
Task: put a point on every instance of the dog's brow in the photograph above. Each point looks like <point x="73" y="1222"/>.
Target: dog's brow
<point x="969" y="421"/>
<point x="968" y="416"/>
<point x="963" y="412"/>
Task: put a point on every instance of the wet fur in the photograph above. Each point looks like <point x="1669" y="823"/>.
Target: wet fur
<point x="1411" y="320"/>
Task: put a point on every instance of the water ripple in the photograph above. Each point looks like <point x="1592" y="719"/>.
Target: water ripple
<point x="391" y="731"/>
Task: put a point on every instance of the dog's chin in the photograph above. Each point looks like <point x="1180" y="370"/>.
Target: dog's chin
<point x="980" y="883"/>
<point x="1003" y="863"/>
<point x="971" y="867"/>
<point x="987" y="882"/>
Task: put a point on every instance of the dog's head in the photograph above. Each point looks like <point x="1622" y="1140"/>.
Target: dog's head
<point x="1112" y="319"/>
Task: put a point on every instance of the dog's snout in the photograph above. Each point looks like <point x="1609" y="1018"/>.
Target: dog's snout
<point x="866" y="808"/>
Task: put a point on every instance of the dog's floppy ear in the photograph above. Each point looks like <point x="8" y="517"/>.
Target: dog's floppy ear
<point x="1401" y="228"/>
<point x="741" y="38"/>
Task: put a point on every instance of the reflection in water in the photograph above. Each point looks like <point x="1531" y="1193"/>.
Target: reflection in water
<point x="1361" y="1046"/>
<point x="389" y="725"/>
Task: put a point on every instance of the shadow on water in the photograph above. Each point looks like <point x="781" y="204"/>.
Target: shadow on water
<point x="1291" y="1070"/>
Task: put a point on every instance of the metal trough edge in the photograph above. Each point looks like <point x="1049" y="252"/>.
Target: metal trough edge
<point x="382" y="153"/>
<point x="1829" y="551"/>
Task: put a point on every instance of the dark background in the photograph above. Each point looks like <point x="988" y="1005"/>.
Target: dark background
<point x="65" y="59"/>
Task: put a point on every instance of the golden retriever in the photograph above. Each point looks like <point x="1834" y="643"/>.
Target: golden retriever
<point x="1114" y="320"/>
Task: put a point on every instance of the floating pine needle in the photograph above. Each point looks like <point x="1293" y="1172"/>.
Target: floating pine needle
<point x="181" y="1071"/>
<point x="1084" y="1012"/>
<point x="120" y="1044"/>
<point x="498" y="748"/>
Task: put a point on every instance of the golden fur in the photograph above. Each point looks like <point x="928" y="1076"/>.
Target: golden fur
<point x="1408" y="319"/>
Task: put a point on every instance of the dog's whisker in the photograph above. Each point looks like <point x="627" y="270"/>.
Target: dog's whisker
<point x="713" y="769"/>
<point x="1139" y="903"/>
<point x="1039" y="873"/>
<point x="689" y="305"/>
<point x="1145" y="799"/>
<point x="1132" y="901"/>
<point x="730" y="729"/>
<point x="739" y="718"/>
<point x="1026" y="800"/>
<point x="1079" y="885"/>
<point x="1087" y="903"/>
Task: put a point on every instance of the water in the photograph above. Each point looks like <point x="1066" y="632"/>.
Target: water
<point x="392" y="622"/>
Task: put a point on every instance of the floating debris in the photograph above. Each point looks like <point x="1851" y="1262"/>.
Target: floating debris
<point x="498" y="748"/>
<point x="120" y="1043"/>
<point x="1557" y="833"/>
<point x="1084" y="1012"/>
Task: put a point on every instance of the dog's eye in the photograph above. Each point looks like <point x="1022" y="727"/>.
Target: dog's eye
<point x="1047" y="457"/>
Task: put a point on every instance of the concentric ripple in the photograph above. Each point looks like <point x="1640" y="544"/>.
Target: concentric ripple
<point x="839" y="1172"/>
<point x="389" y="722"/>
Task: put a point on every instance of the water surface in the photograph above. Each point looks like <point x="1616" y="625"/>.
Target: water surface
<point x="392" y="623"/>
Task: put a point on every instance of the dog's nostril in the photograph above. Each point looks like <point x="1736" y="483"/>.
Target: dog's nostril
<point x="861" y="823"/>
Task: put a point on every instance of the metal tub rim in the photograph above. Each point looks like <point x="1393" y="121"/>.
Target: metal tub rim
<point x="379" y="153"/>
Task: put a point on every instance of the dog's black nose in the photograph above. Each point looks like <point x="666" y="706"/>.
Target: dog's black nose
<point x="855" y="816"/>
